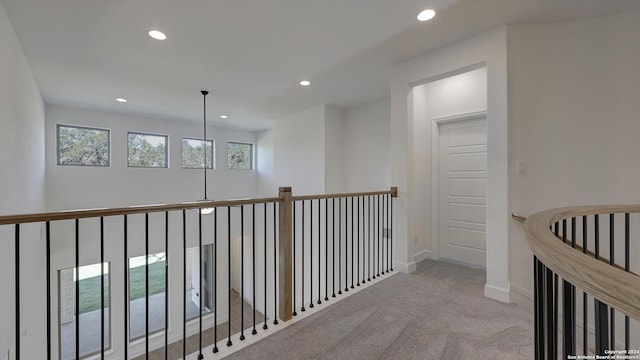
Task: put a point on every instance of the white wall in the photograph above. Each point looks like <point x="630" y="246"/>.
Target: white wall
<point x="573" y="111"/>
<point x="265" y="181"/>
<point x="22" y="189"/>
<point x="308" y="151"/>
<point x="334" y="150"/>
<point x="485" y="49"/>
<point x="367" y="148"/>
<point x="298" y="143"/>
<point x="70" y="187"/>
<point x="456" y="95"/>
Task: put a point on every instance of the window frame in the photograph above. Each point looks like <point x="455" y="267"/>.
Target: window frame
<point x="213" y="153"/>
<point x="59" y="125"/>
<point x="133" y="340"/>
<point x="166" y="150"/>
<point x="250" y="152"/>
<point x="110" y="302"/>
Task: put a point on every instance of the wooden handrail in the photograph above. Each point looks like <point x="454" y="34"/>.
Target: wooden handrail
<point x="89" y="213"/>
<point x="393" y="192"/>
<point x="103" y="212"/>
<point x="522" y="219"/>
<point x="609" y="284"/>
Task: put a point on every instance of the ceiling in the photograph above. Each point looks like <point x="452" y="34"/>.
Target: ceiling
<point x="251" y="54"/>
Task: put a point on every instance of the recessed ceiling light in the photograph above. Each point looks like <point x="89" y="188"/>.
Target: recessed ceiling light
<point x="158" y="35"/>
<point x="426" y="15"/>
<point x="305" y="83"/>
<point x="122" y="100"/>
<point x="224" y="117"/>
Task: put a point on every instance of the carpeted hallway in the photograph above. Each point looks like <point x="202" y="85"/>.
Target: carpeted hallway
<point x="438" y="312"/>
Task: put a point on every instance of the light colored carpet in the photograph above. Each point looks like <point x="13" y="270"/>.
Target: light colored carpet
<point x="439" y="312"/>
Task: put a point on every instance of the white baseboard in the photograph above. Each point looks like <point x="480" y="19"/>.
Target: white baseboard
<point x="497" y="293"/>
<point x="521" y="297"/>
<point x="405" y="268"/>
<point x="422" y="255"/>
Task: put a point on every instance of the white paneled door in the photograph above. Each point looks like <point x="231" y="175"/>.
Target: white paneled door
<point x="462" y="188"/>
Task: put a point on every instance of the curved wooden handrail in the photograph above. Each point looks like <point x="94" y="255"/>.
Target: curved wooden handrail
<point x="615" y="287"/>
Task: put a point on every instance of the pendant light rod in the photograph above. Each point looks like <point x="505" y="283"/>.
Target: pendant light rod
<point x="204" y="99"/>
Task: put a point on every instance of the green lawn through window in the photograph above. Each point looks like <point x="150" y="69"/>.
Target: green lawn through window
<point x="90" y="287"/>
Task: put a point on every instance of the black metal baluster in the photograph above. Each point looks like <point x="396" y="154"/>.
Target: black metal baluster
<point x="146" y="284"/>
<point x="184" y="283"/>
<point x="48" y="265"/>
<point x="375" y="236"/>
<point x="126" y="288"/>
<point x="166" y="285"/>
<point x="585" y="307"/>
<point x="319" y="254"/>
<point x="275" y="267"/>
<point x="536" y="324"/>
<point x="389" y="200"/>
<point x="612" y="311"/>
<point x="333" y="246"/>
<point x="379" y="224"/>
<point x="265" y="326"/>
<point x="539" y="298"/>
<point x="102" y="288"/>
<point x="555" y="314"/>
<point x="311" y="254"/>
<point x="358" y="239"/>
<point x="200" y="295"/>
<point x="242" y="273"/>
<point x="568" y="304"/>
<point x="550" y="312"/>
<point x="215" y="280"/>
<point x="295" y="285"/>
<point x="346" y="245"/>
<point x="302" y="308"/>
<point x="253" y="267"/>
<point x="391" y="232"/>
<point x="352" y="226"/>
<point x="369" y="238"/>
<point x="601" y="313"/>
<point x="326" y="249"/>
<point x="17" y="289"/>
<point x="229" y="342"/>
<point x="364" y="241"/>
<point x="340" y="246"/>
<point x="77" y="307"/>
<point x="626" y="268"/>
<point x="386" y="232"/>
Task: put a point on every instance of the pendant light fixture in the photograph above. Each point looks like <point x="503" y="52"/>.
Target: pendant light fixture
<point x="205" y="211"/>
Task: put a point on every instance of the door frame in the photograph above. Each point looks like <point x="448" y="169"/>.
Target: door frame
<point x="435" y="171"/>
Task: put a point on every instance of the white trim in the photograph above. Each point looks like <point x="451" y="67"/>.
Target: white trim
<point x="497" y="293"/>
<point x="422" y="255"/>
<point x="435" y="171"/>
<point x="521" y="291"/>
<point x="405" y="268"/>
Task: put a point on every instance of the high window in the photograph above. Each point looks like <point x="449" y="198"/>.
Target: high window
<point x="193" y="153"/>
<point x="240" y="156"/>
<point x="147" y="150"/>
<point x="82" y="146"/>
<point x="89" y="282"/>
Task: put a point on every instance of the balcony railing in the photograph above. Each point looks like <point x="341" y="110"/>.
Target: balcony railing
<point x="277" y="255"/>
<point x="592" y="250"/>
